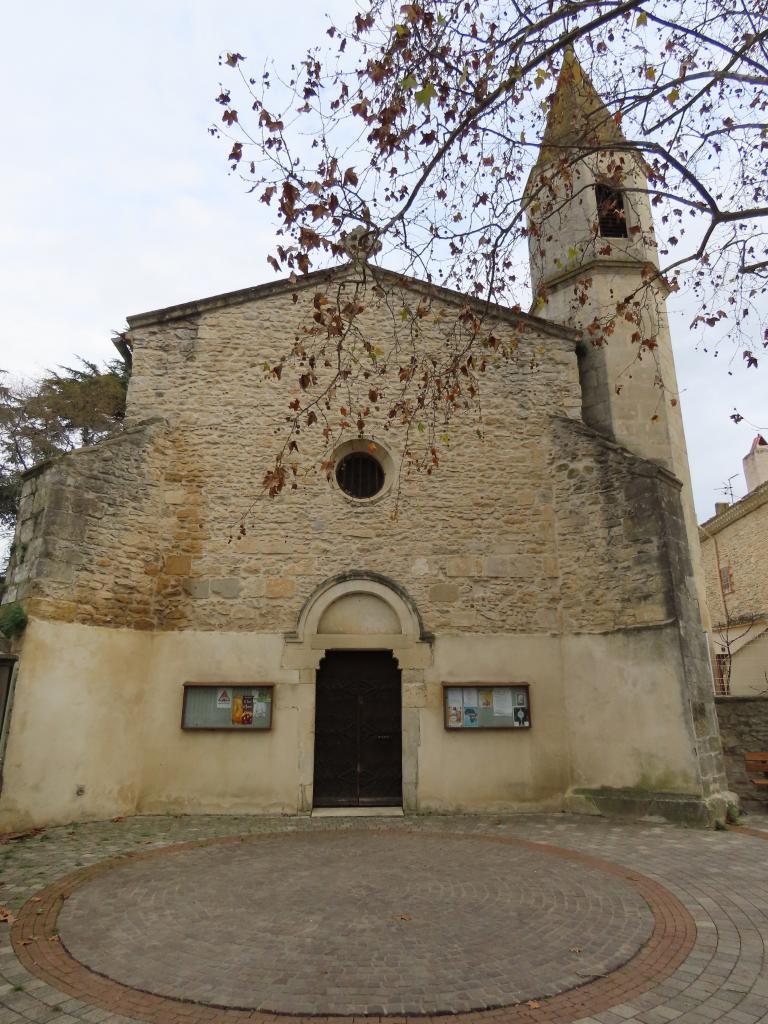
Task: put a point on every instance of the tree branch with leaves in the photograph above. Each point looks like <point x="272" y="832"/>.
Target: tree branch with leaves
<point x="67" y="408"/>
<point x="414" y="130"/>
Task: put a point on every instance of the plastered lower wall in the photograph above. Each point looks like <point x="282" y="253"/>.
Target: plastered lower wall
<point x="100" y="708"/>
<point x="748" y="659"/>
<point x="76" y="720"/>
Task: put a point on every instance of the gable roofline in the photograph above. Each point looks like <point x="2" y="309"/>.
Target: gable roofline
<point x="754" y="500"/>
<point x="184" y="310"/>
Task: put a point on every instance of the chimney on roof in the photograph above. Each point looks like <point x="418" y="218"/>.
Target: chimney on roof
<point x="721" y="506"/>
<point x="756" y="464"/>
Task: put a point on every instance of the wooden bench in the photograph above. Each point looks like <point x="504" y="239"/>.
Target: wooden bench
<point x="756" y="765"/>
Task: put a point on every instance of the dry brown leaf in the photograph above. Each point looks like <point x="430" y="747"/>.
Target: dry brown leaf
<point x="8" y="837"/>
<point x="533" y="1004"/>
<point x="6" y="915"/>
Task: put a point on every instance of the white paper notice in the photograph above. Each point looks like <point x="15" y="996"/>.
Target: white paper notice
<point x="224" y="699"/>
<point x="455" y="716"/>
<point x="470" y="697"/>
<point x="454" y="695"/>
<point x="502" y="701"/>
<point x="260" y="709"/>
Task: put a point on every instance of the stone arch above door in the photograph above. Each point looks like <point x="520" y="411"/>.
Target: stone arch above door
<point x="358" y="610"/>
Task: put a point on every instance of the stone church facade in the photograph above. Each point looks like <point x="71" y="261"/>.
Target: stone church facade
<point x="553" y="560"/>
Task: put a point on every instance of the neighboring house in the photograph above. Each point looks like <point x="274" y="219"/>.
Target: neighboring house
<point x="525" y="633"/>
<point x="734" y="546"/>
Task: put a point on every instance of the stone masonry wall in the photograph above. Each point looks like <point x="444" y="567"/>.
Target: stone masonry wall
<point x="87" y="531"/>
<point x="472" y="543"/>
<point x="610" y="545"/>
<point x="744" y="728"/>
<point x="475" y="544"/>
<point x="741" y="543"/>
<point x="538" y="525"/>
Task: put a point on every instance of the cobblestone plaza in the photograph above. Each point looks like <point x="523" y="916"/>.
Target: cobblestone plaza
<point x="528" y="918"/>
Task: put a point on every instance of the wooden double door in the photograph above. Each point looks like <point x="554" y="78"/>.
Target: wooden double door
<point x="358" y="730"/>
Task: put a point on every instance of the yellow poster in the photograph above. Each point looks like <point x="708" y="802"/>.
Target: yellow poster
<point x="242" y="710"/>
<point x="237" y="711"/>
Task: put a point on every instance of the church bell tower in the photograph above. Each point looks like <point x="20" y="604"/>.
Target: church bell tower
<point x="593" y="249"/>
<point x="594" y="266"/>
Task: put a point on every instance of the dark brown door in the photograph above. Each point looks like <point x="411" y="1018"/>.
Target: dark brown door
<point x="358" y="731"/>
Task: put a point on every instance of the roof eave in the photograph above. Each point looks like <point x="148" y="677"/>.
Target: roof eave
<point x="743" y="507"/>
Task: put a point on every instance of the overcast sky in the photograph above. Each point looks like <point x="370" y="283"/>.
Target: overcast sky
<point x="116" y="200"/>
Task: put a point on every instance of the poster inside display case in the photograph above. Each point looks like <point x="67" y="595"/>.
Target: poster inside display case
<point x="242" y="707"/>
<point x="487" y="706"/>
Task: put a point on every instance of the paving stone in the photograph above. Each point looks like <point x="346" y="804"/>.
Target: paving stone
<point x="720" y="879"/>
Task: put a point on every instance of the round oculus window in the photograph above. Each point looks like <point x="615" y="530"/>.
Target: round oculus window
<point x="360" y="475"/>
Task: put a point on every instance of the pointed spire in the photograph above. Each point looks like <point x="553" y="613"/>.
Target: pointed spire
<point x="577" y="118"/>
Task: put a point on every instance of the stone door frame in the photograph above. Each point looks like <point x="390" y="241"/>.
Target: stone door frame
<point x="411" y="647"/>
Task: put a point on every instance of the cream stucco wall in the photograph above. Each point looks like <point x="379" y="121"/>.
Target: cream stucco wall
<point x="748" y="646"/>
<point x="624" y="705"/>
<point x="186" y="771"/>
<point x="100" y="708"/>
<point x="76" y="720"/>
<point x="504" y="770"/>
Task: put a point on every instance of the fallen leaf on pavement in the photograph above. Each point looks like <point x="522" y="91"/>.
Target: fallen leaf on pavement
<point x="8" y="837"/>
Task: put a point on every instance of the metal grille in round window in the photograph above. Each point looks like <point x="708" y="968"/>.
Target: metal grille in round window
<point x="360" y="475"/>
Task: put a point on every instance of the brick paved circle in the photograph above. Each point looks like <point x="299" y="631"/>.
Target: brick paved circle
<point x="353" y="923"/>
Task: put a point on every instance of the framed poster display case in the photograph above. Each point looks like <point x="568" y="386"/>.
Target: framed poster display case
<point x="468" y="707"/>
<point x="228" y="707"/>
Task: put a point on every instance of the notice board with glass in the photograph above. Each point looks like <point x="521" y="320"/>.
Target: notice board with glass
<point x="240" y="707"/>
<point x="487" y="706"/>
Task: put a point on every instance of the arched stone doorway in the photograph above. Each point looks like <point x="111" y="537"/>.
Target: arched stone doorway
<point x="360" y="612"/>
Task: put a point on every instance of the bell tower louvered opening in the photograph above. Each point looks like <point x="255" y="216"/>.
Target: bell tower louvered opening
<point x="611" y="217"/>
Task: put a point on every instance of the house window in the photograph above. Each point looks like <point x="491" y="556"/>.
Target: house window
<point x="722" y="675"/>
<point x="726" y="579"/>
<point x="611" y="217"/>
